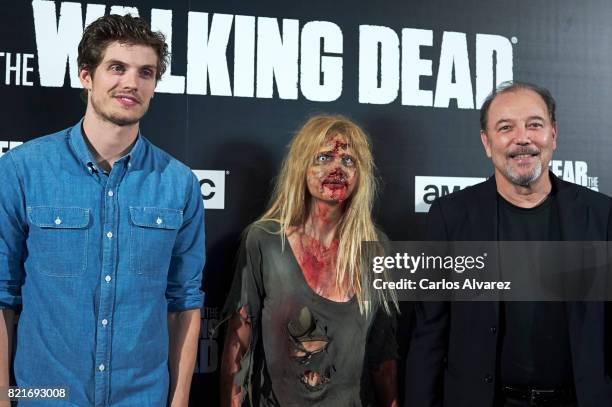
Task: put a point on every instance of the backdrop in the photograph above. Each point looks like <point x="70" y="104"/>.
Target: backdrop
<point x="245" y="75"/>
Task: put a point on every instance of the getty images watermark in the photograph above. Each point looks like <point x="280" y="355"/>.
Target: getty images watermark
<point x="413" y="264"/>
<point x="493" y="271"/>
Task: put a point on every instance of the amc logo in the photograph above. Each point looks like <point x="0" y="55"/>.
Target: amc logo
<point x="428" y="189"/>
<point x="212" y="187"/>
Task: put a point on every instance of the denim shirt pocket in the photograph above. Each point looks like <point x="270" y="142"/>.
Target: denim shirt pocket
<point x="152" y="235"/>
<point x="57" y="243"/>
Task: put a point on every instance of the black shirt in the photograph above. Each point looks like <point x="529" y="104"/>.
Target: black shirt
<point x="535" y="348"/>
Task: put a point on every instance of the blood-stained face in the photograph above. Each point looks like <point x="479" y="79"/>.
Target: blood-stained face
<point x="333" y="174"/>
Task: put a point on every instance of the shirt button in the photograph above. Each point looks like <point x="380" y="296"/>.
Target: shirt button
<point x="101" y="367"/>
<point x="159" y="221"/>
<point x="104" y="322"/>
<point x="58" y="221"/>
<point x="109" y="235"/>
<point x="110" y="193"/>
<point x="493" y="330"/>
<point x="107" y="279"/>
<point x="488" y="378"/>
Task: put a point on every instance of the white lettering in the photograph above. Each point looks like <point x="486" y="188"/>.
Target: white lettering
<point x="277" y="58"/>
<point x="313" y="65"/>
<point x="413" y="67"/>
<point x="26" y="68"/>
<point x="206" y="54"/>
<point x="272" y="58"/>
<point x="161" y="20"/>
<point x="454" y="58"/>
<point x="374" y="41"/>
<point x="12" y="68"/>
<point x="580" y="173"/>
<point x="57" y="44"/>
<point x="123" y="10"/>
<point x="244" y="56"/>
<point x="486" y="46"/>
<point x="568" y="171"/>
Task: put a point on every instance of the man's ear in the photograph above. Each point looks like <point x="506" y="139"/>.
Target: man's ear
<point x="485" y="142"/>
<point x="85" y="78"/>
<point x="554" y="136"/>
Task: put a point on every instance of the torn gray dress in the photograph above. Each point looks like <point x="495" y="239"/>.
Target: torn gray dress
<point x="305" y="350"/>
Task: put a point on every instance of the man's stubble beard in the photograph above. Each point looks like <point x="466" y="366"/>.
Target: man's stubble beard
<point x="523" y="180"/>
<point x="116" y="120"/>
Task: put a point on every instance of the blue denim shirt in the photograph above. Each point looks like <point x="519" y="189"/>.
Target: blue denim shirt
<point x="96" y="261"/>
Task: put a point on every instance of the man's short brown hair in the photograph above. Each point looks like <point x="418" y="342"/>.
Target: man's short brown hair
<point x="124" y="29"/>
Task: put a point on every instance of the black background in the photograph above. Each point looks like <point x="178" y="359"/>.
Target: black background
<point x="562" y="45"/>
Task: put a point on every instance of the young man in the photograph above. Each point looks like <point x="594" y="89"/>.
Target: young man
<point x="102" y="241"/>
<point x="467" y="354"/>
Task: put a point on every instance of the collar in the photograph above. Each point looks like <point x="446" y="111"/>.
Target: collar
<point x="573" y="212"/>
<point x="76" y="139"/>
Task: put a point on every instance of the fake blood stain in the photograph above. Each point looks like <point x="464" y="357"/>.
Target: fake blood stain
<point x="318" y="261"/>
<point x="336" y="182"/>
<point x="339" y="145"/>
<point x="321" y="213"/>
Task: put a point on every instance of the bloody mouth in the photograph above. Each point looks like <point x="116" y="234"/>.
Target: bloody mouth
<point x="335" y="180"/>
<point x="334" y="185"/>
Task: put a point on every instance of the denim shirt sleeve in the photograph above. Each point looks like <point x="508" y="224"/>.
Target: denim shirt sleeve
<point x="188" y="256"/>
<point x="13" y="232"/>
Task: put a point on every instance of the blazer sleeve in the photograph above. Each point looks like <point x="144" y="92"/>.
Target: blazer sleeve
<point x="427" y="353"/>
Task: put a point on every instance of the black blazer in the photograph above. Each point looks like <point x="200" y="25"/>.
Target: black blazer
<point x="452" y="358"/>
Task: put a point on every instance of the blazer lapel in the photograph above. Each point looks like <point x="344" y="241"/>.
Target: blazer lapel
<point x="483" y="220"/>
<point x="483" y="216"/>
<point x="573" y="214"/>
<point x="573" y="219"/>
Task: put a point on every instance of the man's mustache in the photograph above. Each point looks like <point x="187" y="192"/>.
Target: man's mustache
<point x="128" y="95"/>
<point x="523" y="151"/>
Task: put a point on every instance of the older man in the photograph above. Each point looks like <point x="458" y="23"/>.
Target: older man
<point x="514" y="354"/>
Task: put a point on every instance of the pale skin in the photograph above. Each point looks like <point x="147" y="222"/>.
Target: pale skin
<point x="331" y="179"/>
<point x="183" y="331"/>
<point x="520" y="137"/>
<point x="119" y="92"/>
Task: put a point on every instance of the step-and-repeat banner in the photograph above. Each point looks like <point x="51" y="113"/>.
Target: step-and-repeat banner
<point x="245" y="75"/>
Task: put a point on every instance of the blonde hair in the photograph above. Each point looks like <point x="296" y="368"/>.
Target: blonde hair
<point x="289" y="204"/>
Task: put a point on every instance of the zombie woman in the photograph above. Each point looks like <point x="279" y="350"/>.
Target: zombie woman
<point x="306" y="328"/>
